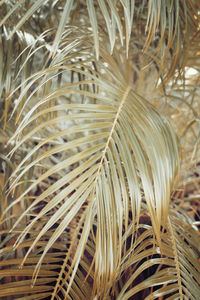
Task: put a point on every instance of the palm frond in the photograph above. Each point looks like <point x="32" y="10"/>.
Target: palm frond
<point x="94" y="117"/>
<point x="169" y="273"/>
<point x="144" y="270"/>
<point x="117" y="151"/>
<point x="170" y="23"/>
<point x="17" y="57"/>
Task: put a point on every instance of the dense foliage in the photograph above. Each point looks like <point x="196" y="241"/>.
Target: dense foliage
<point x="99" y="149"/>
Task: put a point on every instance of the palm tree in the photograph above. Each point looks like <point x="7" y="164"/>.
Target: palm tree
<point x="99" y="149"/>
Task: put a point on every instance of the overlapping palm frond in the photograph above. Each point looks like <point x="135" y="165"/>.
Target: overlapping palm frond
<point x="169" y="25"/>
<point x="89" y="163"/>
<point x="166" y="273"/>
<point x="16" y="281"/>
<point x="116" y="149"/>
<point x="18" y="60"/>
<point x="181" y="103"/>
<point x="144" y="271"/>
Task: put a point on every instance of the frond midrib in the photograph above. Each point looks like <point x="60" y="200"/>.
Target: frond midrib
<point x="124" y="98"/>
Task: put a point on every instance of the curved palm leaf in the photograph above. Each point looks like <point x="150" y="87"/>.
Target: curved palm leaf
<point x="94" y="163"/>
<point x="117" y="150"/>
<point x="17" y="62"/>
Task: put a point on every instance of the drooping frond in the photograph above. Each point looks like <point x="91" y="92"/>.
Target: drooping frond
<point x="144" y="271"/>
<point x="17" y="62"/>
<point x="166" y="273"/>
<point x="94" y="119"/>
<point x="169" y="25"/>
<point x="116" y="150"/>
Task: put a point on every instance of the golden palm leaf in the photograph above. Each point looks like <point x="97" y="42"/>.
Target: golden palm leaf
<point x="89" y="164"/>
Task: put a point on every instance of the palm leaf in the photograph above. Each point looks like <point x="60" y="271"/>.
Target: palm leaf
<point x="172" y="21"/>
<point x="144" y="269"/>
<point x="118" y="148"/>
<point x="169" y="269"/>
<point x="90" y="165"/>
